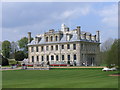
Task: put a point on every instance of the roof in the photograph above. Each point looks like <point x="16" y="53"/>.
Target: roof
<point x="73" y="36"/>
<point x="63" y="40"/>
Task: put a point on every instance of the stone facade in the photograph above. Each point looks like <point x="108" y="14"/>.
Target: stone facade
<point x="65" y="46"/>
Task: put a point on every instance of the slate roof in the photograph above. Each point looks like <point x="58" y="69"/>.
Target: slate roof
<point x="63" y="39"/>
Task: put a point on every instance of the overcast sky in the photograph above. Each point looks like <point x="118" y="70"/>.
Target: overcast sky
<point x="21" y="17"/>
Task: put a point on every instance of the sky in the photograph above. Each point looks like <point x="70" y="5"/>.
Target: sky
<point x="18" y="18"/>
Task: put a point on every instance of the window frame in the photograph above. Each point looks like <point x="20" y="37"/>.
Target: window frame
<point x="56" y="47"/>
<point x="52" y="57"/>
<point x="42" y="58"/>
<point x="37" y="49"/>
<point x="74" y="46"/>
<point x="63" y="57"/>
<point x="68" y="46"/>
<point x="42" y="48"/>
<point x="33" y="59"/>
<point x="57" y="57"/>
<point x="68" y="57"/>
<point x="52" y="48"/>
<point x="46" y="39"/>
<point x="75" y="57"/>
<point x="37" y="58"/>
<point x="62" y="46"/>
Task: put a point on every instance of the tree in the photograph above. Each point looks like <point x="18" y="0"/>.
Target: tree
<point x="112" y="55"/>
<point x="19" y="55"/>
<point x="6" y="48"/>
<point x="23" y="45"/>
<point x="14" y="48"/>
<point x="105" y="47"/>
<point x="107" y="44"/>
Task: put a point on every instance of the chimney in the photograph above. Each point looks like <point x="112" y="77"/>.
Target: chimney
<point x="94" y="37"/>
<point x="67" y="29"/>
<point x="78" y="32"/>
<point x="90" y="37"/>
<point x="85" y="36"/>
<point x="98" y="36"/>
<point x="29" y="37"/>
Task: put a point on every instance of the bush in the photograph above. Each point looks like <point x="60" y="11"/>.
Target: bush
<point x="3" y="61"/>
<point x="19" y="56"/>
<point x="12" y="61"/>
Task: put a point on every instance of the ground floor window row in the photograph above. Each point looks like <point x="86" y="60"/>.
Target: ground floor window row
<point x="53" y="57"/>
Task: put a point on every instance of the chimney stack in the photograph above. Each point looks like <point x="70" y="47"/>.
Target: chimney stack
<point x="98" y="36"/>
<point x="85" y="36"/>
<point x="67" y="29"/>
<point x="78" y="32"/>
<point x="90" y="37"/>
<point x="29" y="37"/>
<point x="94" y="37"/>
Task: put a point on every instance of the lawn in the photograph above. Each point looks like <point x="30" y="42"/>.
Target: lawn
<point x="59" y="78"/>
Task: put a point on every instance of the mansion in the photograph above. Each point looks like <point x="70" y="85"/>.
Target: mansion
<point x="65" y="46"/>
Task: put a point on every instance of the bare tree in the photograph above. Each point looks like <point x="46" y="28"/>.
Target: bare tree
<point x="107" y="44"/>
<point x="105" y="47"/>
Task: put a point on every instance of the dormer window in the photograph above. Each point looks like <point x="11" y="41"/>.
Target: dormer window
<point x="56" y="38"/>
<point x="46" y="39"/>
<point x="51" y="38"/>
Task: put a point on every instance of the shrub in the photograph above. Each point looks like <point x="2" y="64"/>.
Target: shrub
<point x="3" y="61"/>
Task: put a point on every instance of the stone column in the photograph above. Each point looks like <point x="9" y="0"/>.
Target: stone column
<point x="78" y="54"/>
<point x="35" y="57"/>
<point x="45" y="58"/>
<point x="39" y="58"/>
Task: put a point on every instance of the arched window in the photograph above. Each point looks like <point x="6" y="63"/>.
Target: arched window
<point x="51" y="38"/>
<point x="46" y="39"/>
<point x="56" y="38"/>
<point x="47" y="57"/>
<point x="42" y="58"/>
<point x="37" y="58"/>
<point x="32" y="58"/>
<point x="69" y="57"/>
<point x="75" y="57"/>
<point x="57" y="57"/>
<point x="52" y="57"/>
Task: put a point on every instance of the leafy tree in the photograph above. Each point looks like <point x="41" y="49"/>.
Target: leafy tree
<point x="19" y="55"/>
<point x="112" y="55"/>
<point x="23" y="45"/>
<point x="6" y="48"/>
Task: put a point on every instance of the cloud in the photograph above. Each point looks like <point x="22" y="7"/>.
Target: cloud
<point x="71" y="13"/>
<point x="22" y="14"/>
<point x="109" y="15"/>
<point x="19" y="18"/>
<point x="76" y="12"/>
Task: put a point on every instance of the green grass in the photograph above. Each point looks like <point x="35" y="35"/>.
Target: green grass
<point x="63" y="78"/>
